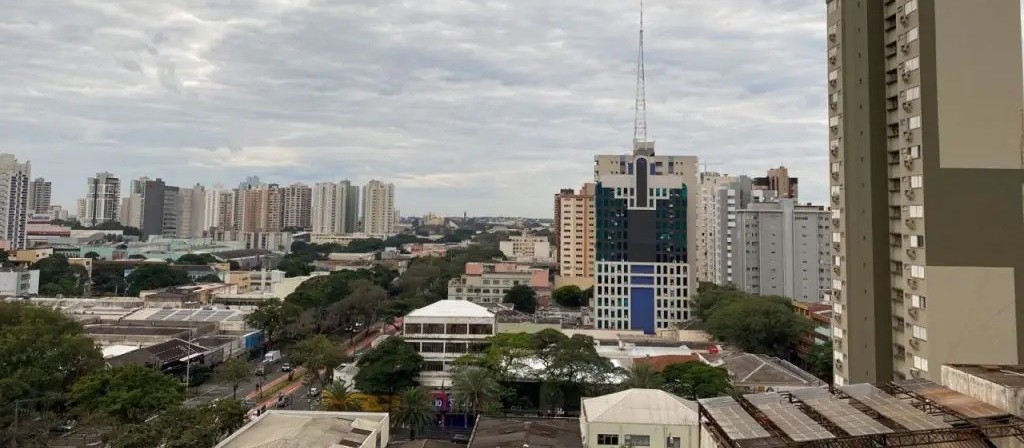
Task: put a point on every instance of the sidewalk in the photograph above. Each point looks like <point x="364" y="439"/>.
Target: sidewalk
<point x="299" y="371"/>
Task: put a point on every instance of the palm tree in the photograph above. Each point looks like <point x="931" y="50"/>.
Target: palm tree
<point x="338" y="396"/>
<point x="475" y="389"/>
<point x="416" y="409"/>
<point x="643" y="376"/>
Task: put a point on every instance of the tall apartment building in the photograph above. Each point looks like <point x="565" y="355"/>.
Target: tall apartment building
<point x="212" y="204"/>
<point x="14" y="206"/>
<point x="777" y="184"/>
<point x="160" y="203"/>
<point x="708" y="258"/>
<point x="526" y="248"/>
<point x="40" y="192"/>
<point x="784" y="249"/>
<point x="379" y="214"/>
<point x="190" y="206"/>
<point x="574" y="236"/>
<point x="102" y="199"/>
<point x="296" y="200"/>
<point x="259" y="209"/>
<point x="926" y="173"/>
<point x="130" y="212"/>
<point x="335" y="208"/>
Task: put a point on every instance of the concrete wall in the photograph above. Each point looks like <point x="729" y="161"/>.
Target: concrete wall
<point x="689" y="435"/>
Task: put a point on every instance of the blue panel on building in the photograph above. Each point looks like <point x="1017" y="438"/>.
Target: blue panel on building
<point x="641" y="309"/>
<point x="641" y="269"/>
<point x="641" y="280"/>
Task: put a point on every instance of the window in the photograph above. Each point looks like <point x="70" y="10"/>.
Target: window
<point x="919" y="332"/>
<point x="607" y="439"/>
<point x="920" y="363"/>
<point x="912" y="34"/>
<point x="910" y="7"/>
<point x="912" y="64"/>
<point x="915" y="211"/>
<point x="916" y="182"/>
<point x="916" y="240"/>
<point x="637" y="440"/>
<point x="912" y="93"/>
<point x="914" y="122"/>
<point x="836" y="237"/>
<point x="913" y="152"/>
<point x="917" y="271"/>
<point x="917" y="301"/>
<point x="673" y="442"/>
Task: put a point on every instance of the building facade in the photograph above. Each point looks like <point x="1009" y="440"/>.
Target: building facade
<point x="296" y="201"/>
<point x="487" y="283"/>
<point x="783" y="249"/>
<point x="379" y="214"/>
<point x="646" y="213"/>
<point x="927" y="217"/>
<point x="526" y="248"/>
<point x="777" y="184"/>
<point x="574" y="236"/>
<point x="19" y="283"/>
<point x="14" y="206"/>
<point x="102" y="199"/>
<point x="708" y="258"/>
<point x="335" y="208"/>
<point x="40" y="192"/>
<point x="444" y="331"/>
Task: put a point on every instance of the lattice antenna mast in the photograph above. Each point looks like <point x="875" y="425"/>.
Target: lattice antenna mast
<point x="640" y="120"/>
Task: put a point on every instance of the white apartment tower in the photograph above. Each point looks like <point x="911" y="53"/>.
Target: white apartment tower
<point x="14" y="186"/>
<point x="102" y="199"/>
<point x="708" y="258"/>
<point x="335" y="208"/>
<point x="379" y="209"/>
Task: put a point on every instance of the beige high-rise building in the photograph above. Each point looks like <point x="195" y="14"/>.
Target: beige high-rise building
<point x="39" y="195"/>
<point x="925" y="101"/>
<point x="259" y="209"/>
<point x="574" y="236"/>
<point x="708" y="257"/>
<point x="335" y="208"/>
<point x="296" y="201"/>
<point x="379" y="209"/>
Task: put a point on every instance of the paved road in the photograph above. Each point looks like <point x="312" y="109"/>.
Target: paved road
<point x="211" y="390"/>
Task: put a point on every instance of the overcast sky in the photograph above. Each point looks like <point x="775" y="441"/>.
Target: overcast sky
<point x="484" y="106"/>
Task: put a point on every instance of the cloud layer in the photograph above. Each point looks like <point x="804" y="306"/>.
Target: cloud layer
<point x="487" y="106"/>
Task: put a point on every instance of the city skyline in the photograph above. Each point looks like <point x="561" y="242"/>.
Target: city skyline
<point x="456" y="132"/>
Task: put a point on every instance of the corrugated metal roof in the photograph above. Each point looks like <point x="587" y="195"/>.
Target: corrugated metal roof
<point x="641" y="406"/>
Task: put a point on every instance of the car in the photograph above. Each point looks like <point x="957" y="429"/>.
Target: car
<point x="286" y="367"/>
<point x="314" y="392"/>
<point x="64" y="426"/>
<point x="460" y="438"/>
<point x="284" y="402"/>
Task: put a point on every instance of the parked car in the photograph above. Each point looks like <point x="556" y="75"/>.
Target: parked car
<point x="64" y="425"/>
<point x="286" y="367"/>
<point x="284" y="402"/>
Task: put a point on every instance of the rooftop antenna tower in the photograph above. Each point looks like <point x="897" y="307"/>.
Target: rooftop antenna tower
<point x="641" y="145"/>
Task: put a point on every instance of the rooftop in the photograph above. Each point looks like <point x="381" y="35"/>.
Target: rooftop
<point x="186" y="315"/>
<point x="908" y="413"/>
<point x="748" y="368"/>
<point x="241" y="253"/>
<point x="642" y="407"/>
<point x="1003" y="375"/>
<point x="658" y="363"/>
<point x="451" y="308"/>
<point x="308" y="429"/>
<point x="159" y="354"/>
<point x="491" y="432"/>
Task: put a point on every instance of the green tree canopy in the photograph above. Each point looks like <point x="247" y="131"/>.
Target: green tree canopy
<point x="129" y="394"/>
<point x="272" y="316"/>
<point x="522" y="297"/>
<point x="182" y="427"/>
<point x="416" y="409"/>
<point x="91" y="254"/>
<point x="319" y="355"/>
<point x="710" y="297"/>
<point x="59" y="277"/>
<point x="234" y="371"/>
<point x="758" y="324"/>
<point x="338" y="397"/>
<point x="197" y="259"/>
<point x="476" y="389"/>
<point x="294" y="266"/>
<point x="694" y="380"/>
<point x="391" y="366"/>
<point x="153" y="276"/>
<point x="820" y="360"/>
<point x="643" y="376"/>
<point x="570" y="296"/>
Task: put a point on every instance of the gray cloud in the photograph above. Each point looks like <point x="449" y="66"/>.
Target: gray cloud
<point x="484" y="106"/>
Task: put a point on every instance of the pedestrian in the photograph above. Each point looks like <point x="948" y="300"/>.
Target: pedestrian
<point x="291" y="375"/>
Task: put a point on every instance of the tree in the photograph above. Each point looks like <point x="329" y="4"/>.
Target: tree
<point x="129" y="394"/>
<point x="522" y="297"/>
<point x="42" y="353"/>
<point x="820" y="360"/>
<point x="393" y="365"/>
<point x="338" y="396"/>
<point x="196" y="259"/>
<point x="758" y="324"/>
<point x="694" y="380"/>
<point x="320" y="356"/>
<point x="416" y="409"/>
<point x="209" y="278"/>
<point x="59" y="277"/>
<point x="5" y="257"/>
<point x="294" y="267"/>
<point x="184" y="427"/>
<point x="234" y="372"/>
<point x="365" y="245"/>
<point x="711" y="296"/>
<point x="91" y="254"/>
<point x="643" y="376"/>
<point x="476" y="389"/>
<point x="271" y="317"/>
<point x="153" y="276"/>
<point x="570" y="296"/>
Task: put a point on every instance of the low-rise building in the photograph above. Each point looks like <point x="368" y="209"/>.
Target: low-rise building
<point x="762" y="373"/>
<point x="516" y="432"/>
<point x="15" y="283"/>
<point x="526" y="248"/>
<point x="444" y="331"/>
<point x="998" y="385"/>
<point x="486" y="283"/>
<point x="313" y="429"/>
<point x="29" y="256"/>
<point x="819" y="315"/>
<point x="640" y="417"/>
